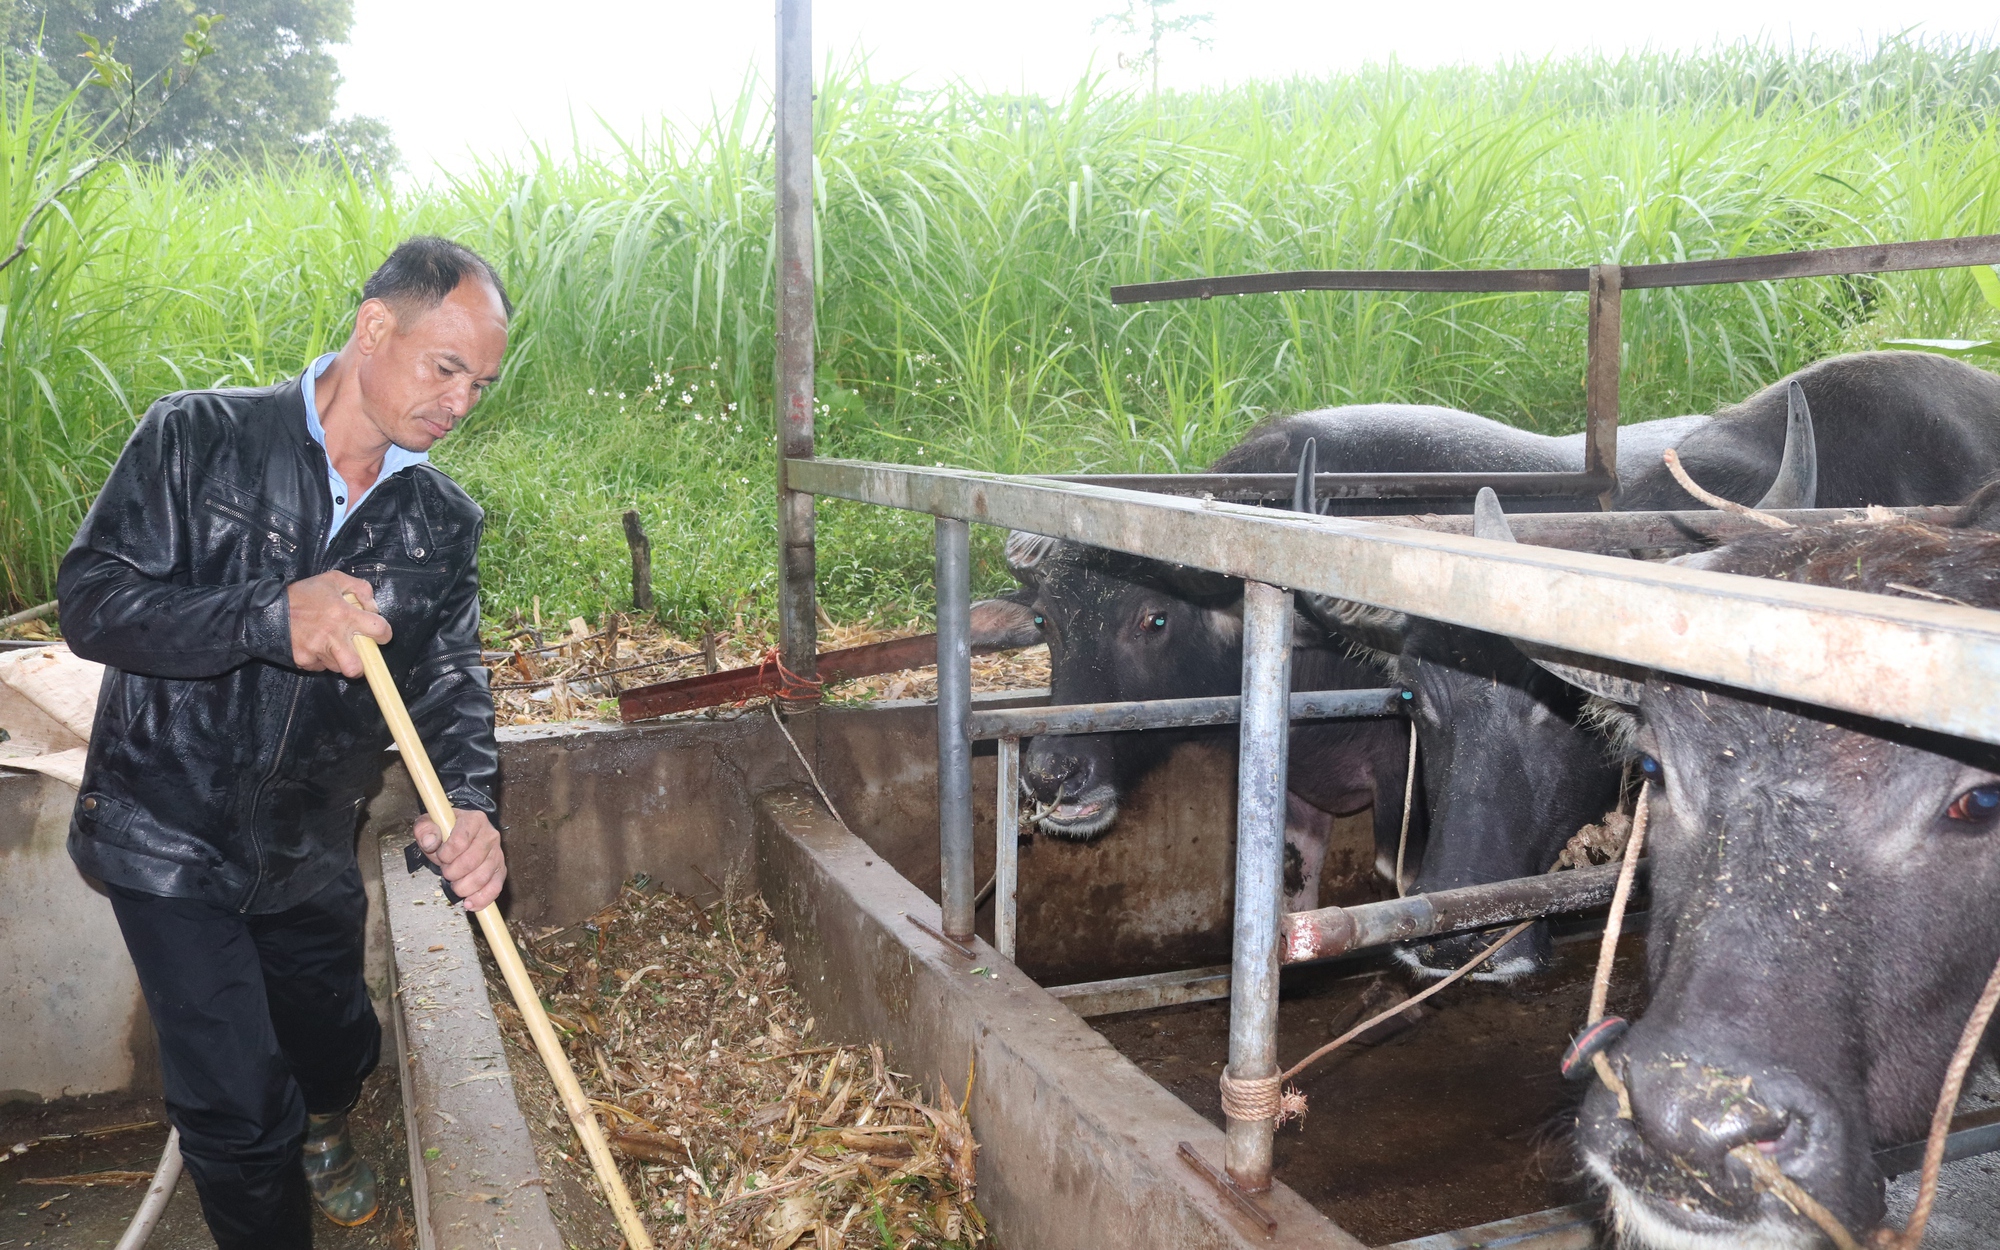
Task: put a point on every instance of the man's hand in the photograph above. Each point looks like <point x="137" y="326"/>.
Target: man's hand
<point x="324" y="623"/>
<point x="470" y="859"/>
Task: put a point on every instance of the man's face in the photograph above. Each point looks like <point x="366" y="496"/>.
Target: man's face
<point x="421" y="372"/>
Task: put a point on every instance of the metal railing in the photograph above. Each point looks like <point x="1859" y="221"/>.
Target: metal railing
<point x="1931" y="666"/>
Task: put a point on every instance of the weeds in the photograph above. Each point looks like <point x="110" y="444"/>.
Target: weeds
<point x="968" y="245"/>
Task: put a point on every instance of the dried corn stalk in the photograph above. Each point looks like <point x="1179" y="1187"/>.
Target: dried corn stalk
<point x="735" y="1129"/>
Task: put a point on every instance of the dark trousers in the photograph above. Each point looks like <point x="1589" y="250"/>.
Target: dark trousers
<point x="260" y="1019"/>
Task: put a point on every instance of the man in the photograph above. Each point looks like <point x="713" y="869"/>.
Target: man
<point x="233" y="747"/>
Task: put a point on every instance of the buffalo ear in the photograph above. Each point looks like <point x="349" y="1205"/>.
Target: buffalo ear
<point x="1607" y="679"/>
<point x="1026" y="553"/>
<point x="1005" y="623"/>
<point x="1210" y="589"/>
<point x="1797" y="483"/>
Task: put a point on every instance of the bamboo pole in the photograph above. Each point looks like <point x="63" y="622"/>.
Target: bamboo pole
<point x="581" y="1117"/>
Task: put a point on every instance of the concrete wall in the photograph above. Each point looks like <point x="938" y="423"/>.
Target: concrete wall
<point x="587" y="806"/>
<point x="71" y="1017"/>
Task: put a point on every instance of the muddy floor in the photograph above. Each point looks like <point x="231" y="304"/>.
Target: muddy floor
<point x="1457" y="1120"/>
<point x="91" y="1216"/>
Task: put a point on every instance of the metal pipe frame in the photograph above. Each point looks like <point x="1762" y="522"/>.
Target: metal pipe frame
<point x="1333" y="931"/>
<point x="1655" y="531"/>
<point x="954" y="702"/>
<point x="798" y="618"/>
<point x="1007" y="847"/>
<point x="1927" y="665"/>
<point x="1583" y="485"/>
<point x="1260" y="856"/>
<point x="1013" y="723"/>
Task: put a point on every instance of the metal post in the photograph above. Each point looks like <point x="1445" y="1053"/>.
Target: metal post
<point x="1602" y="352"/>
<point x="954" y="703"/>
<point x="1260" y="850"/>
<point x="1007" y="845"/>
<point x="798" y="625"/>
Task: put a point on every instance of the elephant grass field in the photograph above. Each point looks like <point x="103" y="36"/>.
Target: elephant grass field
<point x="967" y="245"/>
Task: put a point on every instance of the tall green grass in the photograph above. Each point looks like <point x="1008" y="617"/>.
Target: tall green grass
<point x="967" y="246"/>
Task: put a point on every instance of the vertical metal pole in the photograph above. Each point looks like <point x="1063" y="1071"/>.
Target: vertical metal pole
<point x="798" y="623"/>
<point x="954" y="703"/>
<point x="1602" y="352"/>
<point x="1007" y="845"/>
<point x="1260" y="855"/>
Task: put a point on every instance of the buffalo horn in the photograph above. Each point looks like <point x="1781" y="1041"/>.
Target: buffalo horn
<point x="1797" y="484"/>
<point x="1609" y="686"/>
<point x="1306" y="485"/>
<point x="1488" y="520"/>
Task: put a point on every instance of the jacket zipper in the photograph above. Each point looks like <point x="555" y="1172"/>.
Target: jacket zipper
<point x="319" y="563"/>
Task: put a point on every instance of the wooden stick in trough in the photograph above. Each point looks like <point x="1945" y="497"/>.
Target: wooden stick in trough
<point x="581" y="1117"/>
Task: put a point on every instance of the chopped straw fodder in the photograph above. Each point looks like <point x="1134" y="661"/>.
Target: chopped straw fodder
<point x="734" y="1128"/>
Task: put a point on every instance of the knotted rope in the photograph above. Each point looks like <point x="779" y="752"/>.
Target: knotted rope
<point x="791" y="687"/>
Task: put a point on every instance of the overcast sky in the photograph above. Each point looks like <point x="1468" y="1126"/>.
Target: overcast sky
<point x="454" y="77"/>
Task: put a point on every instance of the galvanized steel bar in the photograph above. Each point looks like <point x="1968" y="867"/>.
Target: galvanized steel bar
<point x="1097" y="718"/>
<point x="954" y="701"/>
<point x="1664" y="531"/>
<point x="1144" y="993"/>
<point x="1332" y="931"/>
<point x="1260" y="854"/>
<point x="1006" y="846"/>
<point x="1603" y="350"/>
<point x="1928" y="665"/>
<point x="1354" y="485"/>
<point x="798" y="621"/>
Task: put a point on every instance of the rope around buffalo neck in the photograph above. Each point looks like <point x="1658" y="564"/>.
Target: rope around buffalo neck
<point x="1763" y="1169"/>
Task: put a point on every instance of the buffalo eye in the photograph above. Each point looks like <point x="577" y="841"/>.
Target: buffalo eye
<point x="1650" y="769"/>
<point x="1153" y="622"/>
<point x="1978" y="805"/>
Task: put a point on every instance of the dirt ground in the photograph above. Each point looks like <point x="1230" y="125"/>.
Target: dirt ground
<point x="1459" y="1120"/>
<point x="80" y="1217"/>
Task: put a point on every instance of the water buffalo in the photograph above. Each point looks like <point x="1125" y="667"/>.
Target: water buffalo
<point x="1512" y="764"/>
<point x="1822" y="920"/>
<point x="1122" y="628"/>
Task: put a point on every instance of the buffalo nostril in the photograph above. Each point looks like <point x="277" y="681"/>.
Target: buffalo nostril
<point x="1767" y="1147"/>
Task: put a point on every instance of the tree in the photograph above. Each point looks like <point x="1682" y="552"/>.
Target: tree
<point x="1152" y="22"/>
<point x="268" y="92"/>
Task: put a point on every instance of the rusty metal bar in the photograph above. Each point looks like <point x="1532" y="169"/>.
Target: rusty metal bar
<point x="1097" y="718"/>
<point x="1821" y="263"/>
<point x="798" y="619"/>
<point x="1666" y="531"/>
<point x="954" y="701"/>
<point x="1352" y="485"/>
<point x="1829" y="262"/>
<point x="1603" y="353"/>
<point x="1260" y="877"/>
<point x="1159" y="989"/>
<point x="1927" y="665"/>
<point x="1006" y="846"/>
<point x="1308" y="936"/>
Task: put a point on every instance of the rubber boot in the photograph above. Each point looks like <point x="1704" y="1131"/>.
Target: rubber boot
<point x="342" y="1182"/>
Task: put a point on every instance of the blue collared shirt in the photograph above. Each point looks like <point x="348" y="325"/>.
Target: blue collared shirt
<point x="345" y="502"/>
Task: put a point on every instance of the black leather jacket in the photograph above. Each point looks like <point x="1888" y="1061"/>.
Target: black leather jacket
<point x="217" y="770"/>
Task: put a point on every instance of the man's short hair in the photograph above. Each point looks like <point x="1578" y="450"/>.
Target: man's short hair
<point x="423" y="270"/>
